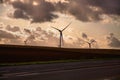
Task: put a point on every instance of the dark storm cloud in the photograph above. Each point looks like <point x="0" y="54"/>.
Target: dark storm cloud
<point x="108" y="6"/>
<point x="35" y="10"/>
<point x="83" y="10"/>
<point x="20" y="14"/>
<point x="90" y="10"/>
<point x="113" y="41"/>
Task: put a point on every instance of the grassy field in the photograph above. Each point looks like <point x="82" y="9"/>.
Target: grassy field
<point x="35" y="54"/>
<point x="51" y="62"/>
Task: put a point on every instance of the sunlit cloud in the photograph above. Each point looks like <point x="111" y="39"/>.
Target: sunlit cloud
<point x="55" y="1"/>
<point x="35" y="3"/>
<point x="22" y="0"/>
<point x="12" y="0"/>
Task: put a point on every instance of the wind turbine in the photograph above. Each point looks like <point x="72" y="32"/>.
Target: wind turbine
<point x="88" y="41"/>
<point x="61" y="33"/>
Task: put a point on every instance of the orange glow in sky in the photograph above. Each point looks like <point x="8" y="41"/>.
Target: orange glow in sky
<point x="91" y="20"/>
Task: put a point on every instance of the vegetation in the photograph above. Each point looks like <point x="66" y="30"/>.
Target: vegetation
<point x="51" y="62"/>
<point x="21" y="55"/>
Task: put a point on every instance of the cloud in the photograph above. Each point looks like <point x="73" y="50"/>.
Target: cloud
<point x="90" y="10"/>
<point x="1" y="25"/>
<point x="1" y="1"/>
<point x="12" y="29"/>
<point x="34" y="10"/>
<point x="108" y="6"/>
<point x="27" y="31"/>
<point x="19" y="14"/>
<point x="113" y="41"/>
<point x="7" y="35"/>
<point x="40" y="37"/>
<point x="84" y="35"/>
<point x="83" y="10"/>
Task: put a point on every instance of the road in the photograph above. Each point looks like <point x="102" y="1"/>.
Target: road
<point x="90" y="70"/>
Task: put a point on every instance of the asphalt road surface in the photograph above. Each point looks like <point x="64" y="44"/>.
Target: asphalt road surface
<point x="90" y="70"/>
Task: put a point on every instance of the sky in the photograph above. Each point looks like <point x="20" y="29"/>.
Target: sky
<point x="94" y="22"/>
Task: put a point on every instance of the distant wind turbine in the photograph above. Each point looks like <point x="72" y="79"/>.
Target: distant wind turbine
<point x="61" y="33"/>
<point x="89" y="41"/>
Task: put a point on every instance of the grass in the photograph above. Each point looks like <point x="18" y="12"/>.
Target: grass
<point x="51" y="62"/>
<point x="38" y="62"/>
<point x="11" y="55"/>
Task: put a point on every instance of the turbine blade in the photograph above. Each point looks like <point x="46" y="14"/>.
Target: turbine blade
<point x="67" y="26"/>
<point x="56" y="28"/>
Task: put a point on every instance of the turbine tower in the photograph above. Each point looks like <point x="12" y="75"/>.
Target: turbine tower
<point x="61" y="33"/>
<point x="90" y="42"/>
